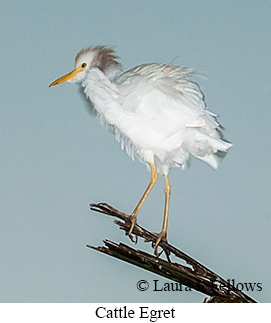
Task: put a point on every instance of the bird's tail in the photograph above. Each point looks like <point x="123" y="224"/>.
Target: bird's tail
<point x="207" y="146"/>
<point x="213" y="159"/>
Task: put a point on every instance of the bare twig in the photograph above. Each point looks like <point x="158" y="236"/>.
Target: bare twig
<point x="193" y="274"/>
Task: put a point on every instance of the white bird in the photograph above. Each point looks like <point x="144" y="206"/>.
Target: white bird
<point x="156" y="112"/>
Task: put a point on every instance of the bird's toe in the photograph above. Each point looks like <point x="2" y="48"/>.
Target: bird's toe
<point x="161" y="237"/>
<point x="132" y="219"/>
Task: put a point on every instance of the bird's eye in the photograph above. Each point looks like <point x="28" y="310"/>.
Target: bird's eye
<point x="83" y="65"/>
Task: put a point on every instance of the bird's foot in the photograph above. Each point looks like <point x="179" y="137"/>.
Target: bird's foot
<point x="162" y="236"/>
<point x="132" y="219"/>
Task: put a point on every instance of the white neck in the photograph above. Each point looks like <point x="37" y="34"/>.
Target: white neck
<point x="103" y="94"/>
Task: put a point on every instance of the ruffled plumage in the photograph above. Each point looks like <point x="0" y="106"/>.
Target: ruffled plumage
<point x="158" y="114"/>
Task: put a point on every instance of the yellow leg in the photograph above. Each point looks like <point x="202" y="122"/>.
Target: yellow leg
<point x="163" y="233"/>
<point x="133" y="216"/>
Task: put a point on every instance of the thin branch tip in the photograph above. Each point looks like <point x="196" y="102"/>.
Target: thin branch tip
<point x="188" y="272"/>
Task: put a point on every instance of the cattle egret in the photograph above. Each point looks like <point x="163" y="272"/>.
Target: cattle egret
<point x="156" y="112"/>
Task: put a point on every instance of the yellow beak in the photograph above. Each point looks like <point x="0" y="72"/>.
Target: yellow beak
<point x="67" y="77"/>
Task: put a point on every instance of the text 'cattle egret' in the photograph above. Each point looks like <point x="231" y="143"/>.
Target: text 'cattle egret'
<point x="156" y="112"/>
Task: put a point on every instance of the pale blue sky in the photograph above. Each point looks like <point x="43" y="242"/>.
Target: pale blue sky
<point x="56" y="159"/>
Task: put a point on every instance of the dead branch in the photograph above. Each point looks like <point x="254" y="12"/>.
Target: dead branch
<point x="192" y="274"/>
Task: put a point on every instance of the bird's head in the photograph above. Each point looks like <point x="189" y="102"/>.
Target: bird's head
<point x="100" y="57"/>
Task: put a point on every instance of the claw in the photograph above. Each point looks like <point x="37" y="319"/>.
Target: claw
<point x="132" y="219"/>
<point x="161" y="237"/>
<point x="133" y="222"/>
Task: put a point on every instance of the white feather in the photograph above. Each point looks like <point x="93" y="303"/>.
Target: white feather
<point x="156" y="111"/>
<point x="158" y="115"/>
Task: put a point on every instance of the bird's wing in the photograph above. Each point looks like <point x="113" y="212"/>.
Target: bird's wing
<point x="162" y="101"/>
<point x="172" y="81"/>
